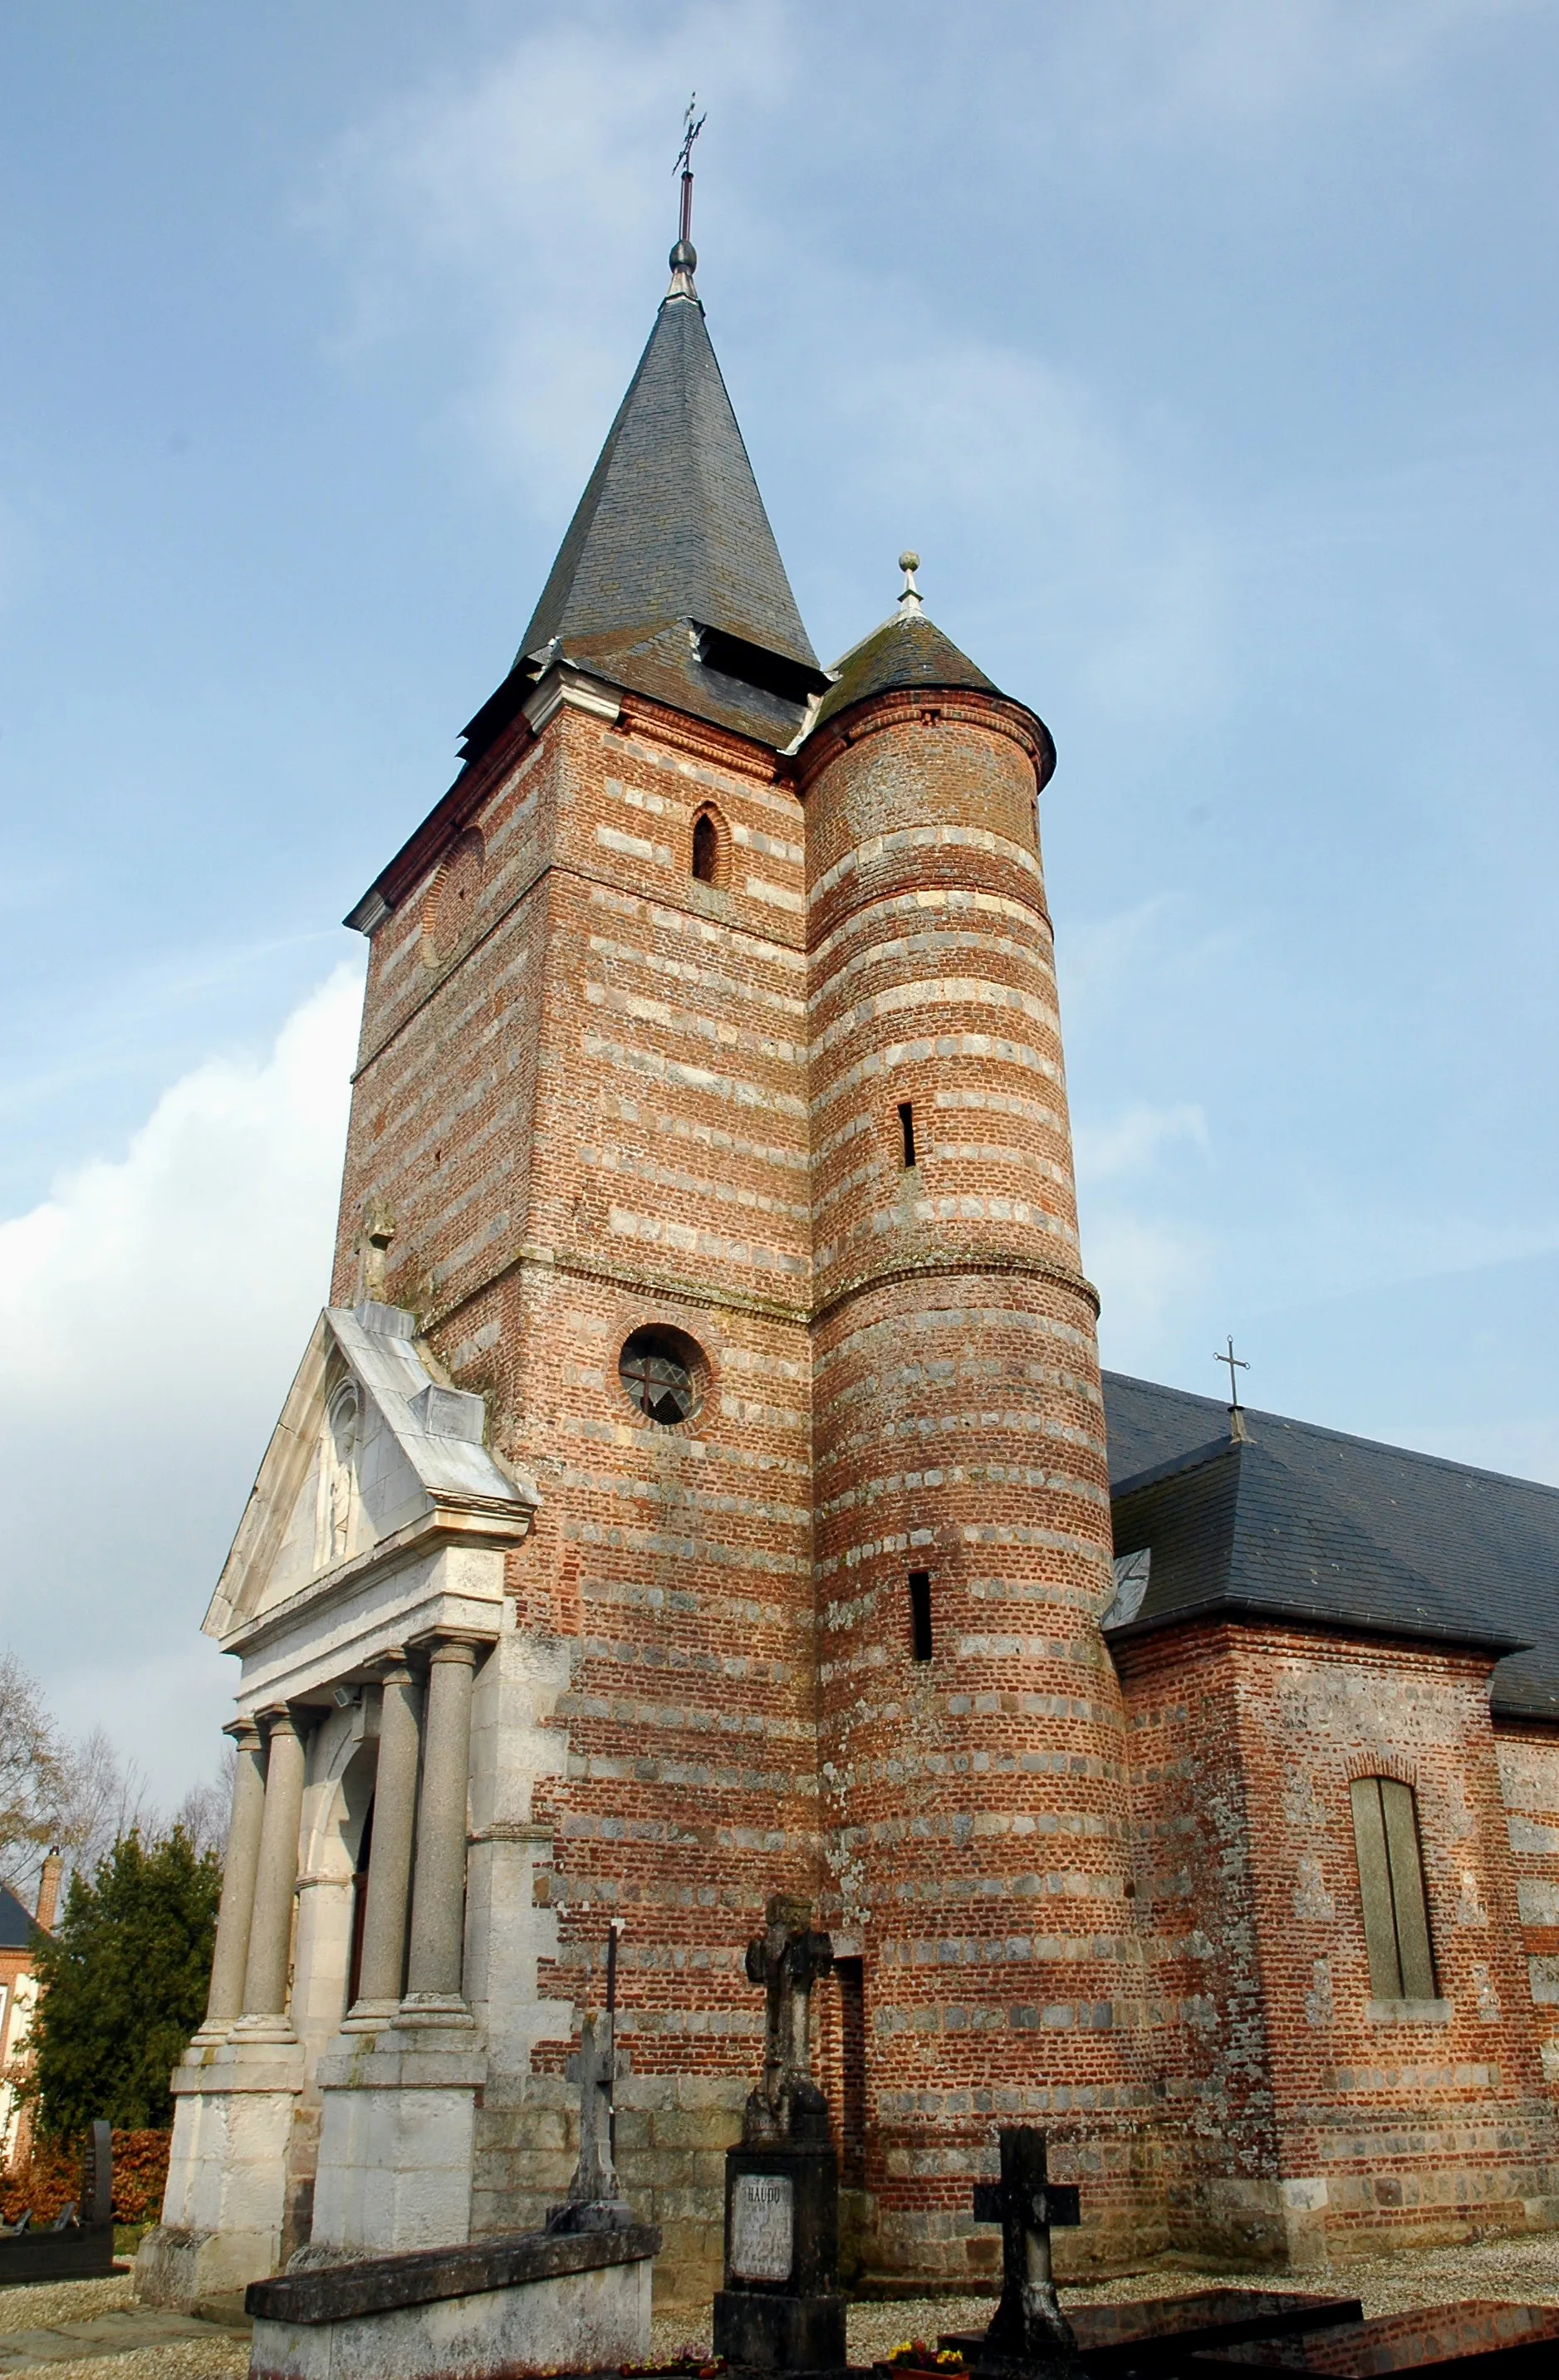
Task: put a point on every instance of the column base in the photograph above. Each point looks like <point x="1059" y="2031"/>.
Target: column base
<point x="433" y="2008"/>
<point x="370" y="2016"/>
<point x="211" y="2036"/>
<point x="269" y="2031"/>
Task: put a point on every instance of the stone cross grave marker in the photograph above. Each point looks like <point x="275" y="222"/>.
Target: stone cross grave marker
<point x="786" y="1959"/>
<point x="594" y="2202"/>
<point x="780" y="2309"/>
<point x="1028" y="2330"/>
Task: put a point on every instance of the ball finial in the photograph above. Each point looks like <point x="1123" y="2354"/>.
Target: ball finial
<point x="909" y="596"/>
<point x="908" y="563"/>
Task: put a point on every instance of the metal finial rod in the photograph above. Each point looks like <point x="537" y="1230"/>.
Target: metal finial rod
<point x="1235" y="1362"/>
<point x="692" y="124"/>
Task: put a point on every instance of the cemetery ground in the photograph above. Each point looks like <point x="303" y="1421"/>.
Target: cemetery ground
<point x="69" y="2328"/>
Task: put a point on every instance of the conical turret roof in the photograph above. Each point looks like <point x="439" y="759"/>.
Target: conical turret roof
<point x="908" y="650"/>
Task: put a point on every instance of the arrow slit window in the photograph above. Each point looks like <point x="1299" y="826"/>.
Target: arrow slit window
<point x="921" y="1614"/>
<point x="1390" y="1886"/>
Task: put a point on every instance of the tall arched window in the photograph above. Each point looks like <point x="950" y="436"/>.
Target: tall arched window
<point x="706" y="848"/>
<point x="1390" y="1886"/>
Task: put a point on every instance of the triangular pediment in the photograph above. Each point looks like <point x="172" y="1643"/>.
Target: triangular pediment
<point x="369" y="1444"/>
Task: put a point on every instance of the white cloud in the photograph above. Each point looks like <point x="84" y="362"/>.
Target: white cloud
<point x="1148" y="1274"/>
<point x="1131" y="1145"/>
<point x="152" y="1311"/>
<point x="1188" y="70"/>
<point x="1005" y="470"/>
<point x="529" y="184"/>
<point x="514" y="215"/>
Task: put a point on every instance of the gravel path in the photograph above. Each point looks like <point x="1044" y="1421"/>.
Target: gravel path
<point x="1525" y="2268"/>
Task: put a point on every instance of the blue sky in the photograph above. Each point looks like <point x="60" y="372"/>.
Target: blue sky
<point x="1207" y="354"/>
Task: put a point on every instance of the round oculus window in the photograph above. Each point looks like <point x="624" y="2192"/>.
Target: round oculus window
<point x="661" y="1372"/>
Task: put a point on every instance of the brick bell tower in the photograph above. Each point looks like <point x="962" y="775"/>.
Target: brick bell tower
<point x="709" y="1118"/>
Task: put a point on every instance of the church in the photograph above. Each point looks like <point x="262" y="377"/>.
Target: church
<point x="701" y="1484"/>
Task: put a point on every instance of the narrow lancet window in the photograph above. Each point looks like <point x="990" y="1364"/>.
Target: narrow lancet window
<point x="706" y="848"/>
<point x="1391" y="1884"/>
<point x="907" y="1127"/>
<point x="921" y="1614"/>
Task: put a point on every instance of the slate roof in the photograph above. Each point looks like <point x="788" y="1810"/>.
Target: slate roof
<point x="16" y="1925"/>
<point x="671" y="543"/>
<point x="908" y="650"/>
<point x="1312" y="1524"/>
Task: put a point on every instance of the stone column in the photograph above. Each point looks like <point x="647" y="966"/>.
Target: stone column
<point x="389" y="1857"/>
<point x="270" y="1934"/>
<point x="438" y="1906"/>
<point x="240" y="1864"/>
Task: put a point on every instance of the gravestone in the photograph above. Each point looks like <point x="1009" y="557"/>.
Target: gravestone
<point x="97" y="2179"/>
<point x="1029" y="2333"/>
<point x="594" y="2202"/>
<point x="780" y="2309"/>
<point x="78" y="2245"/>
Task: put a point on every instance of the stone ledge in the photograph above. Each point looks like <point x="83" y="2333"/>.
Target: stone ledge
<point x="1407" y="2012"/>
<point x="381" y="2284"/>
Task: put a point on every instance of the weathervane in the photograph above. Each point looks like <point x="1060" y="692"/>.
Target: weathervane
<point x="691" y="127"/>
<point x="1235" y="1362"/>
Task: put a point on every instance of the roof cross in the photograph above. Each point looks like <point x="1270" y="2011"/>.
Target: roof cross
<point x="1236" y="1363"/>
<point x="692" y="128"/>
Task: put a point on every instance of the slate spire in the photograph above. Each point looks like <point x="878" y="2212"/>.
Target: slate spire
<point x="669" y="580"/>
<point x="671" y="524"/>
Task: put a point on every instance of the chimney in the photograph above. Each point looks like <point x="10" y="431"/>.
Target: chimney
<point x="48" y="1888"/>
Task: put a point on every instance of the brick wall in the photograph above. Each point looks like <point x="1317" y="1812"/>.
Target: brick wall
<point x="1307" y="2117"/>
<point x="1528" y="1765"/>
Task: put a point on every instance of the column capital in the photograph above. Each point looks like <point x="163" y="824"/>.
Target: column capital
<point x="244" y="1731"/>
<point x="279" y="1718"/>
<point x="463" y="1649"/>
<point x="393" y="1667"/>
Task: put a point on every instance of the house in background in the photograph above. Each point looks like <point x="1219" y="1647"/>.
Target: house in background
<point x="18" y="1994"/>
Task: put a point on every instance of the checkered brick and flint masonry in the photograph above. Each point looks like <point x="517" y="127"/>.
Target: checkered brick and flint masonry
<point x="700" y="1486"/>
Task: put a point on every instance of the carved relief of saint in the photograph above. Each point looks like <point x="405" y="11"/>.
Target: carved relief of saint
<point x="341" y="1486"/>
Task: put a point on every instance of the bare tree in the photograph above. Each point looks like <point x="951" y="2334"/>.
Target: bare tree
<point x="104" y="1797"/>
<point x="205" y="1809"/>
<point x="34" y="1781"/>
<point x="83" y="1797"/>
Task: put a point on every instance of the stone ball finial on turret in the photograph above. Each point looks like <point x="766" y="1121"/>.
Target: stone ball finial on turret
<point x="910" y="598"/>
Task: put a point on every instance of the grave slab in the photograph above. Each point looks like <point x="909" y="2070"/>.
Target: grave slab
<point x="1476" y="2340"/>
<point x="537" y="2302"/>
<point x="1151" y="2335"/>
